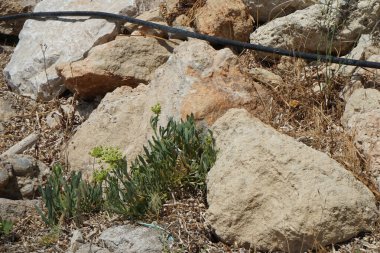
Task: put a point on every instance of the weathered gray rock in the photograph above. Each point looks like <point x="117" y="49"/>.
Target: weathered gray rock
<point x="229" y="19"/>
<point x="271" y="192"/>
<point x="20" y="176"/>
<point x="266" y="10"/>
<point x="44" y="44"/>
<point x="99" y="73"/>
<point x="133" y="239"/>
<point x="16" y="209"/>
<point x="196" y="79"/>
<point x="310" y="29"/>
<point x="8" y="7"/>
<point x="4" y="177"/>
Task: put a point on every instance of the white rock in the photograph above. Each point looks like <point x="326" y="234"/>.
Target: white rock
<point x="266" y="10"/>
<point x="132" y="239"/>
<point x="44" y="44"/>
<point x="320" y="28"/>
<point x="361" y="101"/>
<point x="361" y="119"/>
<point x="271" y="192"/>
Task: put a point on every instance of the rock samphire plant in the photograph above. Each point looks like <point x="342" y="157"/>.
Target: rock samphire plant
<point x="177" y="159"/>
<point x="6" y="226"/>
<point x="68" y="197"/>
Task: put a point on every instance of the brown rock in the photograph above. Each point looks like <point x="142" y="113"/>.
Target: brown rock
<point x="228" y="19"/>
<point x="125" y="61"/>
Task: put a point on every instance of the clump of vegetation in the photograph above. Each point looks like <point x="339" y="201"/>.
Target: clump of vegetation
<point x="6" y="227"/>
<point x="177" y="158"/>
<point x="68" y="197"/>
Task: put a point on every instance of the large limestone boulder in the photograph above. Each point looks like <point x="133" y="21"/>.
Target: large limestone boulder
<point x="320" y="28"/>
<point x="265" y="10"/>
<point x="270" y="192"/>
<point x="45" y="44"/>
<point x="361" y="119"/>
<point x="229" y="19"/>
<point x="196" y="79"/>
<point x="99" y="73"/>
<point x="8" y="7"/>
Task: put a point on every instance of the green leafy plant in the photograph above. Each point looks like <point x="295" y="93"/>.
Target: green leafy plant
<point x="6" y="227"/>
<point x="177" y="157"/>
<point x="68" y="197"/>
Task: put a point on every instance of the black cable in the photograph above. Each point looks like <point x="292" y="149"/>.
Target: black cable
<point x="212" y="39"/>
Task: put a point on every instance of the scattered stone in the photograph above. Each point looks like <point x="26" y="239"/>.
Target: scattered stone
<point x="132" y="239"/>
<point x="265" y="77"/>
<point x="266" y="10"/>
<point x="270" y="192"/>
<point x="76" y="241"/>
<point x="4" y="177"/>
<point x="31" y="70"/>
<point x="8" y="7"/>
<point x="229" y="19"/>
<point x="7" y="109"/>
<point x="20" y="176"/>
<point x="99" y="73"/>
<point x="16" y="209"/>
<point x="196" y="79"/>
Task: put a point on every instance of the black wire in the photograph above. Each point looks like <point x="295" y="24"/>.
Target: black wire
<point x="212" y="39"/>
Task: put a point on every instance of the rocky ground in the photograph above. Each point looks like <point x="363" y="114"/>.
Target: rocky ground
<point x="331" y="109"/>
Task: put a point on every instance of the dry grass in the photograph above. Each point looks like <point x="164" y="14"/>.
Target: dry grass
<point x="308" y="106"/>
